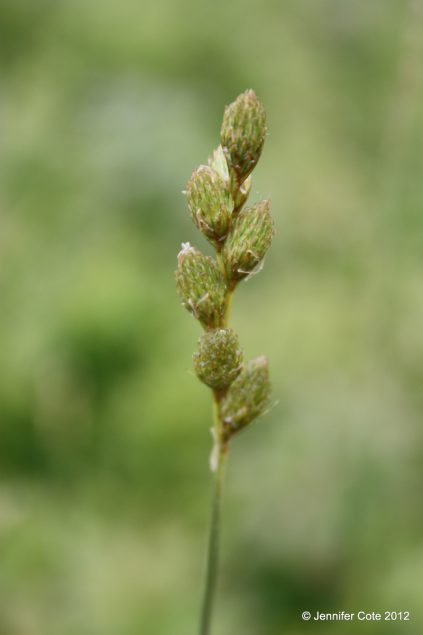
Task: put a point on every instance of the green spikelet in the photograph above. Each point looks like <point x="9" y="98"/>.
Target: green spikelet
<point x="248" y="396"/>
<point x="248" y="241"/>
<point x="200" y="286"/>
<point x="243" y="133"/>
<point x="210" y="203"/>
<point x="218" y="359"/>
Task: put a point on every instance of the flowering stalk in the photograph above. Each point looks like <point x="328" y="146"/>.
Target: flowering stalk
<point x="216" y="195"/>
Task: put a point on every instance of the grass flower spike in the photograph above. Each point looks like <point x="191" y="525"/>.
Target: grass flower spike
<point x="218" y="360"/>
<point x="216" y="194"/>
<point x="200" y="286"/>
<point x="248" y="242"/>
<point x="210" y="204"/>
<point x="243" y="133"/>
<point x="248" y="397"/>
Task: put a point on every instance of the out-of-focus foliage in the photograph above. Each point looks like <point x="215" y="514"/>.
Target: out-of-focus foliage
<point x="105" y="109"/>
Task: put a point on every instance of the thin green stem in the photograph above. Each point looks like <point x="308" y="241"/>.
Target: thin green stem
<point x="214" y="533"/>
<point x="213" y="546"/>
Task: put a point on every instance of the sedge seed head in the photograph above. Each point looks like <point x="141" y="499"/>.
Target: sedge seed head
<point x="247" y="397"/>
<point x="243" y="133"/>
<point x="210" y="203"/>
<point x="218" y="359"/>
<point x="200" y="286"/>
<point x="248" y="241"/>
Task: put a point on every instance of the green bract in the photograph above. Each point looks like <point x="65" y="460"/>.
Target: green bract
<point x="218" y="359"/>
<point x="200" y="285"/>
<point x="210" y="203"/>
<point x="243" y="133"/>
<point x="248" y="396"/>
<point x="217" y="161"/>
<point x="248" y="241"/>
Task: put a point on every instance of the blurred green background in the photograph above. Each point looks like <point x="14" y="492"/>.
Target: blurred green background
<point x="105" y="109"/>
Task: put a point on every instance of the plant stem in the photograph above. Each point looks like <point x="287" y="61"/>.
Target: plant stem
<point x="213" y="545"/>
<point x="229" y="292"/>
<point x="228" y="304"/>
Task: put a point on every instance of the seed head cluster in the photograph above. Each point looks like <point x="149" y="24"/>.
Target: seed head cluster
<point x="216" y="194"/>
